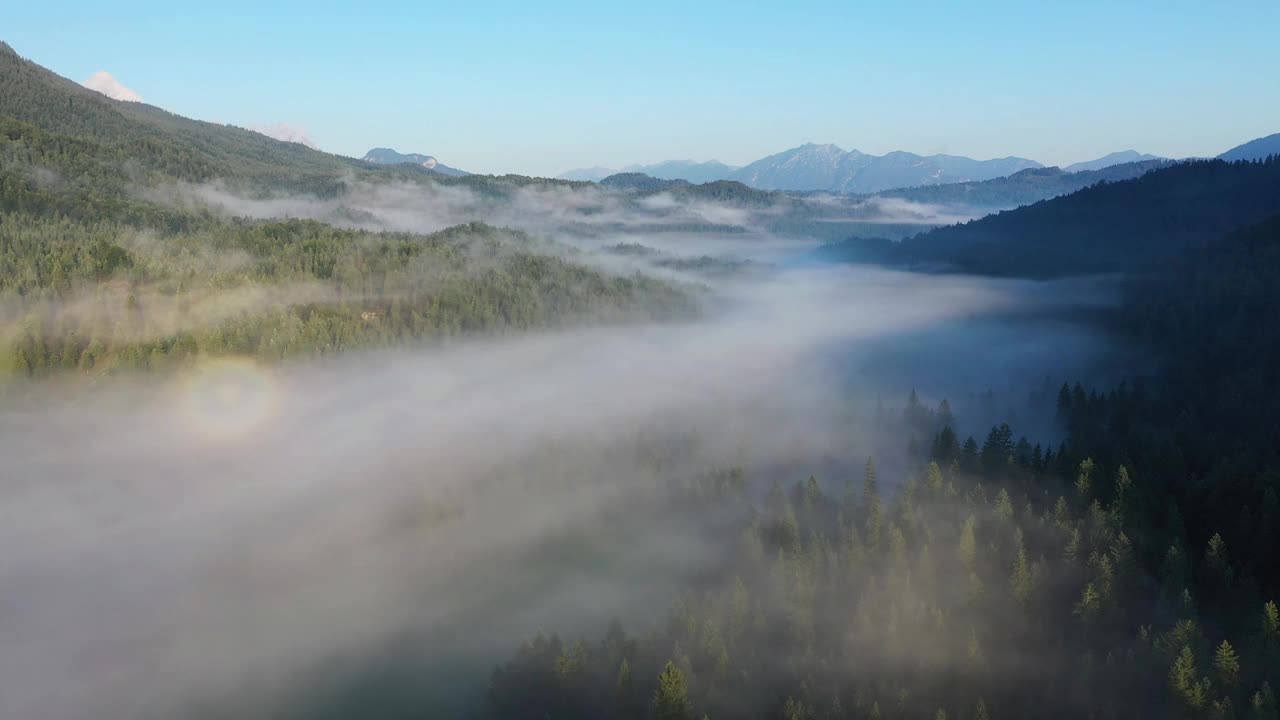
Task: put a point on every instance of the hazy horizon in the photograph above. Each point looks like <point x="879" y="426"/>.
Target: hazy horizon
<point x="578" y="86"/>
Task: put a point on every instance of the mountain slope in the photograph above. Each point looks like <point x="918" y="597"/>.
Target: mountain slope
<point x="387" y="156"/>
<point x="829" y="168"/>
<point x="1133" y="225"/>
<point x="1115" y="158"/>
<point x="1254" y="149"/>
<point x="1021" y="188"/>
<point x="152" y="138"/>
<point x="110" y="258"/>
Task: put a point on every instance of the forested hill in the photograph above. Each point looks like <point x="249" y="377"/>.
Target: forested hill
<point x="1023" y="187"/>
<point x="77" y="131"/>
<point x="154" y="139"/>
<point x="1215" y="318"/>
<point x="98" y="275"/>
<point x="1132" y="225"/>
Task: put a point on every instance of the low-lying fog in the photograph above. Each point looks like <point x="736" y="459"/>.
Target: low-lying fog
<point x="240" y="537"/>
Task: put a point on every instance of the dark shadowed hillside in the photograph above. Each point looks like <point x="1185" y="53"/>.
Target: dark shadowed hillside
<point x="1111" y="227"/>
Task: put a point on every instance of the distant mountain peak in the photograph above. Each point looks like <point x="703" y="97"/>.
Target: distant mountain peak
<point x="1110" y="159"/>
<point x="388" y="156"/>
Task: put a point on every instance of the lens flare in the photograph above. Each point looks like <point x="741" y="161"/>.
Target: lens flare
<point x="229" y="397"/>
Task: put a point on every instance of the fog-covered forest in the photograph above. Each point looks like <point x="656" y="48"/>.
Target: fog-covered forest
<point x="292" y="435"/>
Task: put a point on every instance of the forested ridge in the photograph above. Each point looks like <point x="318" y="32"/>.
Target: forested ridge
<point x="98" y="275"/>
<point x="1134" y="225"/>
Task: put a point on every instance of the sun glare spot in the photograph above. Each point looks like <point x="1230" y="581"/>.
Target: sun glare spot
<point x="229" y="397"/>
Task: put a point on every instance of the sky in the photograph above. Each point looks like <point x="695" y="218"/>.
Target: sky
<point x="540" y="88"/>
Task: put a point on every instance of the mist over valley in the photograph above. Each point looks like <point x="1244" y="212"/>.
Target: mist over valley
<point x="830" y="434"/>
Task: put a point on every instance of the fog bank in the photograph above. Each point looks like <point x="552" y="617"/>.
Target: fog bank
<point x="227" y="532"/>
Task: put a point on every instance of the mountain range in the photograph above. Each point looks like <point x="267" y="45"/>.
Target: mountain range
<point x="828" y="168"/>
<point x="387" y="156"/>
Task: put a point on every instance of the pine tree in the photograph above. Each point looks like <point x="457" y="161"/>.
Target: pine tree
<point x="571" y="663"/>
<point x="946" y="446"/>
<point x="946" y="418"/>
<point x="1226" y="665"/>
<point x="969" y="455"/>
<point x="916" y="416"/>
<point x="671" y="699"/>
<point x="1119" y="505"/>
<point x="969" y="543"/>
<point x="796" y="710"/>
<point x="1004" y="506"/>
<point x="624" y="677"/>
<point x="1090" y="603"/>
<point x="980" y="711"/>
<point x="898" y="547"/>
<point x="933" y="479"/>
<point x="813" y="497"/>
<point x="1217" y="560"/>
<point x="871" y="505"/>
<point x="1084" y="480"/>
<point x="623" y="687"/>
<point x="1123" y="565"/>
<point x="1263" y="704"/>
<point x="788" y="529"/>
<point x="1183" y="683"/>
<point x="1064" y="403"/>
<point x="870" y="490"/>
<point x="997" y="449"/>
<point x="1271" y="622"/>
<point x="1020" y="580"/>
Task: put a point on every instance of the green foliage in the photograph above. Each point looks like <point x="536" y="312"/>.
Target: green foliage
<point x="99" y="274"/>
<point x="671" y="699"/>
<point x="1190" y="692"/>
<point x="92" y="298"/>
<point x="1084" y="479"/>
<point x="1271" y="622"/>
<point x="803" y="609"/>
<point x="1226" y="665"/>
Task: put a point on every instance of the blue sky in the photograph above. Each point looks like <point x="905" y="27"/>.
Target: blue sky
<point x="540" y="88"/>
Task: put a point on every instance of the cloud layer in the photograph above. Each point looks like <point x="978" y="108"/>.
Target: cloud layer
<point x="285" y="132"/>
<point x="106" y="83"/>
